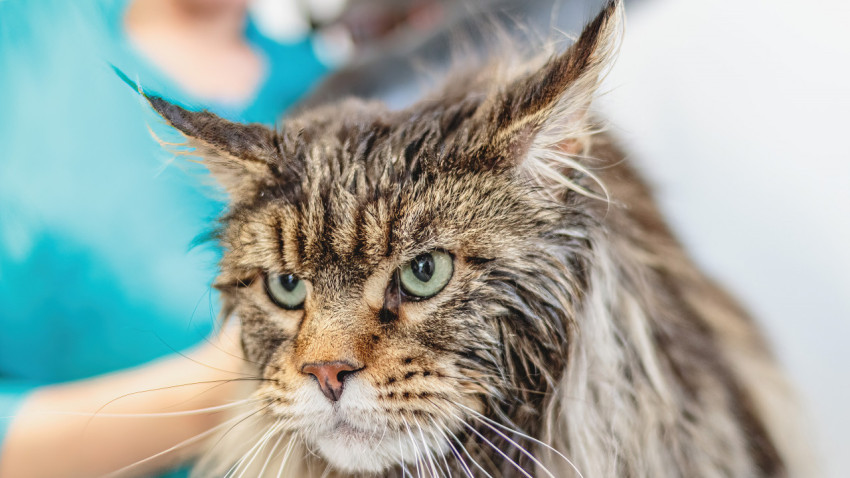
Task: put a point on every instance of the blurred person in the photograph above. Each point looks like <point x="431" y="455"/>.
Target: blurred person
<point x="99" y="286"/>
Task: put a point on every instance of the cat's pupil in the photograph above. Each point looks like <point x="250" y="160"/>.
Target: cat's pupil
<point x="289" y="282"/>
<point x="423" y="267"/>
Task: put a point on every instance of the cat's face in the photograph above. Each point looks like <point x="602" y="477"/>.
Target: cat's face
<point x="376" y="313"/>
<point x="402" y="275"/>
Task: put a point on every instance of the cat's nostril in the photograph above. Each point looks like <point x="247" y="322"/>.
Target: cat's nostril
<point x="340" y="377"/>
<point x="331" y="376"/>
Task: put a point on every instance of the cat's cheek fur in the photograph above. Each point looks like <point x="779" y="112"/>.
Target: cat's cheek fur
<point x="266" y="328"/>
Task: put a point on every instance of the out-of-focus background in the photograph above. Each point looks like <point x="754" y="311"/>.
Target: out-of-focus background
<point x="736" y="111"/>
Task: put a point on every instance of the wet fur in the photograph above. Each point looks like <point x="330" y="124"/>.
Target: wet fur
<point x="573" y="315"/>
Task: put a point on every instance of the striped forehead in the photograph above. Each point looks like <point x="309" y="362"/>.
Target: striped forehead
<point x="354" y="230"/>
<point x="312" y="237"/>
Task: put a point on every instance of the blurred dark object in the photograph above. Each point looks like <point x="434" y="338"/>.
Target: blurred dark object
<point x="391" y="40"/>
<point x="371" y="21"/>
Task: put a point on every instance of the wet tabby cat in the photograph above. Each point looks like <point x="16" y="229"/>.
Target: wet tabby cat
<point x="456" y="289"/>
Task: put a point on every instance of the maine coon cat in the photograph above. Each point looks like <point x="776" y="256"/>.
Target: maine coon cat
<point x="477" y="285"/>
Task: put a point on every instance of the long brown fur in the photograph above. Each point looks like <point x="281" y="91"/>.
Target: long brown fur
<point x="575" y="337"/>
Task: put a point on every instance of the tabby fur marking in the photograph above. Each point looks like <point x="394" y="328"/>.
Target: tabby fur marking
<point x="574" y="337"/>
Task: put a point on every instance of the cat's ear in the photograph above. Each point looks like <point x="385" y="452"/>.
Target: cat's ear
<point x="241" y="157"/>
<point x="543" y="116"/>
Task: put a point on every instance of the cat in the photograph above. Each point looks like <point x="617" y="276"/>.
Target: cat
<point x="477" y="285"/>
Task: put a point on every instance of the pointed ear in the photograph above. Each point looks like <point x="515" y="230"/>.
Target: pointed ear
<point x="543" y="117"/>
<point x="241" y="157"/>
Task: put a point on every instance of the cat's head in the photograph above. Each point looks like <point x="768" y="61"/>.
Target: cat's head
<point x="398" y="274"/>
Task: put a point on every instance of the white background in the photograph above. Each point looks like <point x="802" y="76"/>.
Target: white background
<point x="739" y="113"/>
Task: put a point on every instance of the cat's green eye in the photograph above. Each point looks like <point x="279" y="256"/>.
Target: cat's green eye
<point x="286" y="290"/>
<point x="427" y="274"/>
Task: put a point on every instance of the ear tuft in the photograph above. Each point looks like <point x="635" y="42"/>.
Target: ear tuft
<point x="543" y="117"/>
<point x="241" y="157"/>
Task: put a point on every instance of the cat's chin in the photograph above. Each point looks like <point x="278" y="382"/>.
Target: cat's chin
<point x="353" y="451"/>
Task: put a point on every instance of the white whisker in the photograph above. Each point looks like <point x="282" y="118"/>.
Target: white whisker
<point x="183" y="443"/>
<point x="262" y="444"/>
<point x="535" y="440"/>
<point x="448" y="471"/>
<point x="427" y="450"/>
<point x="286" y="454"/>
<point x="494" y="447"/>
<point x="271" y="454"/>
<point x="518" y="447"/>
<point x="415" y="448"/>
<point x="454" y="452"/>
<point x="404" y="471"/>
<point x="468" y="455"/>
<point x="235" y="467"/>
<point x="197" y="411"/>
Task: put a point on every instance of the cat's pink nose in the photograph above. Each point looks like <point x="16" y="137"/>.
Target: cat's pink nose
<point x="331" y="376"/>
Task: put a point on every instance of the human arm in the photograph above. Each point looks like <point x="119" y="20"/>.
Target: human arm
<point x="72" y="430"/>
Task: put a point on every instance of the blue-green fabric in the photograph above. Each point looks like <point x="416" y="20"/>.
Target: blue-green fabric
<point x="97" y="221"/>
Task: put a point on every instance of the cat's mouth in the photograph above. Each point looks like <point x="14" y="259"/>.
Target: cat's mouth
<point x="361" y="434"/>
<point x="345" y="430"/>
<point x="349" y="447"/>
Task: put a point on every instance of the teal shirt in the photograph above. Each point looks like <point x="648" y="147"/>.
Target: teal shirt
<point x="98" y="271"/>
